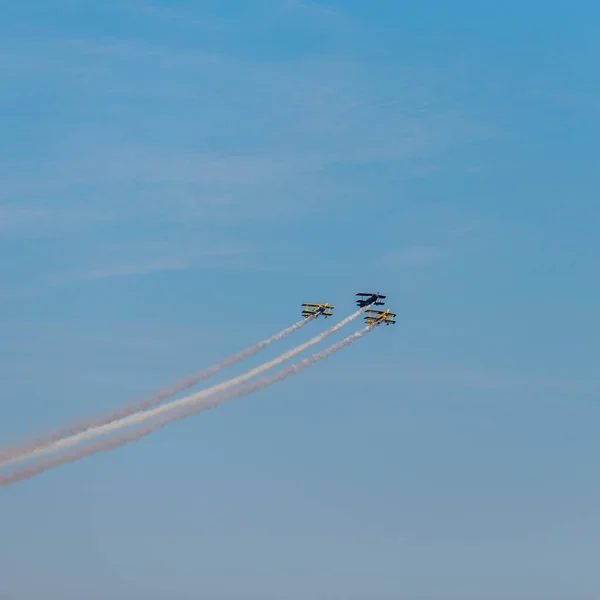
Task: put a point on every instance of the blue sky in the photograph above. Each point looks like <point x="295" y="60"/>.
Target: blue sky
<point x="177" y="177"/>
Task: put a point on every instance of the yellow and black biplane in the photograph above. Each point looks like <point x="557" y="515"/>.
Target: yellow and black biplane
<point x="377" y="317"/>
<point x="317" y="310"/>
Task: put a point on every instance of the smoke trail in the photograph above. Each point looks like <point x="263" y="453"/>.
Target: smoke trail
<point x="155" y="399"/>
<point x="28" y="472"/>
<point x="139" y="418"/>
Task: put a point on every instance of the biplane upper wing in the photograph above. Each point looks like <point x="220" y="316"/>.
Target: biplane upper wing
<point x="325" y="306"/>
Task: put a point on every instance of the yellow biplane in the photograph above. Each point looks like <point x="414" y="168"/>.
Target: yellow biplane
<point x="377" y="317"/>
<point x="317" y="310"/>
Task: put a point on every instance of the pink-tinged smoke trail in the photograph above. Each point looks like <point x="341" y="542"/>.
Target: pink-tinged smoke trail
<point x="11" y="454"/>
<point x="141" y="417"/>
<point x="28" y="472"/>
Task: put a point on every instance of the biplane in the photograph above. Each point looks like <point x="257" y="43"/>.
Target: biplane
<point x="316" y="310"/>
<point x="368" y="299"/>
<point x="377" y="317"/>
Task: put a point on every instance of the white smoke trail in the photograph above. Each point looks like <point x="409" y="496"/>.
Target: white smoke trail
<point x="139" y="418"/>
<point x="11" y="454"/>
<point x="107" y="445"/>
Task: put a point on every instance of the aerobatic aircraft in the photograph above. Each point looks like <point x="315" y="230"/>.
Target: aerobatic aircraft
<point x="376" y="317"/>
<point x="316" y="310"/>
<point x="368" y="299"/>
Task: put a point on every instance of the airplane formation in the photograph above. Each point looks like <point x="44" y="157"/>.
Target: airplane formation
<point x="374" y="317"/>
<point x="125" y="425"/>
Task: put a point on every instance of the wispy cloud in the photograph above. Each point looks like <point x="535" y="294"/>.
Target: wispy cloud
<point x="137" y="259"/>
<point x="208" y="258"/>
<point x="312" y="7"/>
<point x="147" y="135"/>
<point x="98" y="181"/>
<point x="17" y="219"/>
<point x="415" y="255"/>
<point x="463" y="377"/>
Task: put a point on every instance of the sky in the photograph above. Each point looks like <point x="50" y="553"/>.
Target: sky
<point x="177" y="177"/>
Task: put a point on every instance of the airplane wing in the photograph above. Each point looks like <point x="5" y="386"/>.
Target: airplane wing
<point x="308" y="304"/>
<point x="374" y="312"/>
